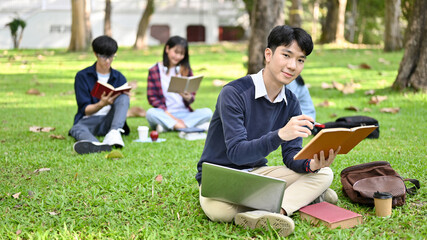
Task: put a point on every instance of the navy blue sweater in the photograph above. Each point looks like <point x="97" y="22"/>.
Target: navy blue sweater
<point x="84" y="82"/>
<point x="244" y="130"/>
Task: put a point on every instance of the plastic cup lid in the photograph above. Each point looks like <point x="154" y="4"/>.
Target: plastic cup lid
<point x="382" y="195"/>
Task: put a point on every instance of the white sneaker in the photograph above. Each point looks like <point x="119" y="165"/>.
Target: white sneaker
<point x="84" y="146"/>
<point x="204" y="126"/>
<point x="262" y="219"/>
<point x="114" y="138"/>
<point x="329" y="196"/>
<point x="159" y="128"/>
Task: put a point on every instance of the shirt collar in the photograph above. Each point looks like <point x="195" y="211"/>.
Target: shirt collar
<point x="261" y="91"/>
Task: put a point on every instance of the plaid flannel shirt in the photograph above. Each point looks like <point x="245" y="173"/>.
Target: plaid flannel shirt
<point x="154" y="90"/>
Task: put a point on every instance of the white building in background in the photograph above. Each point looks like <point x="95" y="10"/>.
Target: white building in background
<point x="49" y="21"/>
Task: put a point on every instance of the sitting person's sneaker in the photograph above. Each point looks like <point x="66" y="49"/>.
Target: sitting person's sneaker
<point x="284" y="225"/>
<point x="204" y="126"/>
<point x="159" y="128"/>
<point x="114" y="138"/>
<point x="329" y="196"/>
<point x="84" y="147"/>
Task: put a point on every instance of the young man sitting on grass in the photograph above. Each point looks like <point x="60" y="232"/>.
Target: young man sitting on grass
<point x="100" y="117"/>
<point x="255" y="115"/>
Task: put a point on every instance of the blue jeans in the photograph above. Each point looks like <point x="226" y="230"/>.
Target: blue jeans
<point x="99" y="125"/>
<point x="157" y="116"/>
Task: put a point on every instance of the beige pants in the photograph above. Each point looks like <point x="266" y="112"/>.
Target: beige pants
<point x="301" y="189"/>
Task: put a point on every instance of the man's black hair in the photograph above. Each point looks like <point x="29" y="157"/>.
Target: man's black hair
<point x="104" y="45"/>
<point x="284" y="35"/>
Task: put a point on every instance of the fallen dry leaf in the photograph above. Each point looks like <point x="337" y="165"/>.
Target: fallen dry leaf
<point x="333" y="115"/>
<point x="383" y="61"/>
<point x="159" y="178"/>
<point x="382" y="82"/>
<point x="33" y="91"/>
<point x="18" y="232"/>
<point x="390" y="110"/>
<point x="348" y="89"/>
<point x="218" y="83"/>
<point x="326" y="86"/>
<point x="350" y="66"/>
<point x="352" y="108"/>
<point x="35" y="129"/>
<point x="16" y="195"/>
<point x="41" y="170"/>
<point x="364" y="66"/>
<point x="57" y="137"/>
<point x="136" y="112"/>
<point x="338" y="86"/>
<point x="370" y="92"/>
<point x="41" y="129"/>
<point x="47" y="129"/>
<point x="367" y="109"/>
<point x="325" y="103"/>
<point x="53" y="213"/>
<point x="377" y="99"/>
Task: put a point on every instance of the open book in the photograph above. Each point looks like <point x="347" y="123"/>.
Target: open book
<point x="99" y="88"/>
<point x="331" y="138"/>
<point x="184" y="84"/>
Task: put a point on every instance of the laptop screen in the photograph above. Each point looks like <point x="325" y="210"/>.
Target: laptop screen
<point x="242" y="187"/>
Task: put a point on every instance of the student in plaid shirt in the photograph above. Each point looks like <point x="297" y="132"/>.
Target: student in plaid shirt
<point x="172" y="111"/>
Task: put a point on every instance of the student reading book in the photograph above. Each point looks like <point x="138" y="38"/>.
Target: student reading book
<point x="332" y="138"/>
<point x="105" y="115"/>
<point x="171" y="110"/>
<point x="256" y="114"/>
<point x="181" y="84"/>
<point x="101" y="87"/>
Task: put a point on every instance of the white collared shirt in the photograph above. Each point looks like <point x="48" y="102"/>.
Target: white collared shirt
<point x="174" y="101"/>
<point x="261" y="91"/>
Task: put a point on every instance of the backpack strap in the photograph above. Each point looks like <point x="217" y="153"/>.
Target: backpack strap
<point x="412" y="190"/>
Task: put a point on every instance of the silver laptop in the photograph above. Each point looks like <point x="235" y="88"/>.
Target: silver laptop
<point x="242" y="187"/>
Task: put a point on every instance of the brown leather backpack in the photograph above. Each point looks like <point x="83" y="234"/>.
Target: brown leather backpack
<point x="360" y="182"/>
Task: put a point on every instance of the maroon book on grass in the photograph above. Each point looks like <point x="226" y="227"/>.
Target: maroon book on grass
<point x="330" y="215"/>
<point x="100" y="88"/>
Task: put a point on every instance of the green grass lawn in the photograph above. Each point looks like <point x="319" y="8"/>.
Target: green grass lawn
<point x="92" y="197"/>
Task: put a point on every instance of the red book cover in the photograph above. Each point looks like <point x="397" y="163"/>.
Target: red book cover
<point x="100" y="87"/>
<point x="330" y="215"/>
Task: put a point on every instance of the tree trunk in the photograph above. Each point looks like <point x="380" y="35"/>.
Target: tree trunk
<point x="392" y="34"/>
<point x="315" y="20"/>
<point x="353" y="19"/>
<point x="265" y="16"/>
<point x="88" y="27"/>
<point x="413" y="71"/>
<point x="295" y="14"/>
<point x="140" y="41"/>
<point x="339" y="37"/>
<point x="78" y="26"/>
<point x="333" y="27"/>
<point x="107" y="19"/>
<point x="329" y="25"/>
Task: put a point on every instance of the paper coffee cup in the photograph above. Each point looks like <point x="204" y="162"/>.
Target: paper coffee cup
<point x="143" y="132"/>
<point x="383" y="204"/>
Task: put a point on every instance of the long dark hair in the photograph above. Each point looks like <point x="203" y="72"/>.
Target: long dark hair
<point x="184" y="64"/>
